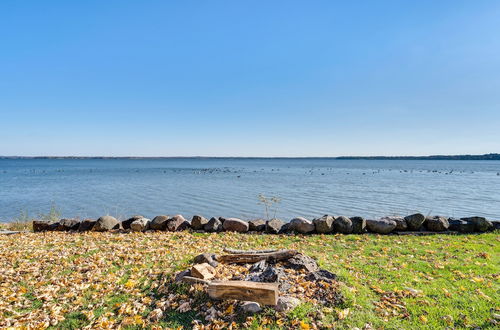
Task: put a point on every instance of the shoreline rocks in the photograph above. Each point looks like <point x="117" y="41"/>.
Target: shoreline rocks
<point x="413" y="224"/>
<point x="106" y="223"/>
<point x="436" y="223"/>
<point x="415" y="221"/>
<point x="381" y="226"/>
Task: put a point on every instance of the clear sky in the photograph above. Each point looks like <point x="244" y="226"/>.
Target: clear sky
<point x="249" y="78"/>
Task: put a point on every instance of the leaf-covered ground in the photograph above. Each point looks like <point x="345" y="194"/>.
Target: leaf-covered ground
<point x="106" y="280"/>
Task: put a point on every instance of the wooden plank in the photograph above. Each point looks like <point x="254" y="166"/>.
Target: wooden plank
<point x="234" y="251"/>
<point x="190" y="279"/>
<point x="263" y="293"/>
<point x="249" y="258"/>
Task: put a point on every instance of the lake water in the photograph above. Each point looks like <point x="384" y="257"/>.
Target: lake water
<point x="88" y="188"/>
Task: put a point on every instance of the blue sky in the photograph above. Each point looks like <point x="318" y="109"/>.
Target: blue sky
<point x="249" y="78"/>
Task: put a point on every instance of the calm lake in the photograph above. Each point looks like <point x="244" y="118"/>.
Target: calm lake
<point x="88" y="188"/>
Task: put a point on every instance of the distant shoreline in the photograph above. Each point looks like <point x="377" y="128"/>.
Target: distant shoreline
<point x="492" y="156"/>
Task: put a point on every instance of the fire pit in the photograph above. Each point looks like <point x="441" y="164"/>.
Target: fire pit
<point x="248" y="281"/>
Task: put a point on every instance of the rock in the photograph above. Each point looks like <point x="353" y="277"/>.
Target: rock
<point x="286" y="303"/>
<point x="415" y="221"/>
<point x="141" y="224"/>
<point x="461" y="226"/>
<point x="321" y="275"/>
<point x="358" y="225"/>
<point x="285" y="228"/>
<point x="208" y="258"/>
<point x="324" y="224"/>
<point x="258" y="267"/>
<point x="480" y="223"/>
<point x="67" y="225"/>
<point x="180" y="276"/>
<point x="301" y="225"/>
<point x="235" y="224"/>
<point x="86" y="225"/>
<point x="203" y="271"/>
<point x="126" y="223"/>
<point x="106" y="223"/>
<point x="177" y="223"/>
<point x="342" y="225"/>
<point x="198" y="222"/>
<point x="301" y="261"/>
<point x="222" y="219"/>
<point x="159" y="222"/>
<point x="250" y="307"/>
<point x="42" y="225"/>
<point x="214" y="225"/>
<point x="257" y="225"/>
<point x="273" y="226"/>
<point x="269" y="275"/>
<point x="401" y="224"/>
<point x="436" y="223"/>
<point x="380" y="226"/>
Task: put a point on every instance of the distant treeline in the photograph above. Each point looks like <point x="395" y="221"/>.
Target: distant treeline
<point x="434" y="157"/>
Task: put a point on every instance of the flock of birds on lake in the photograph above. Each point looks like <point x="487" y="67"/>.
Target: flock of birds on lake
<point x="228" y="170"/>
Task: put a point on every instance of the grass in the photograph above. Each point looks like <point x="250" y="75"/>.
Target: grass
<point x="24" y="222"/>
<point x="101" y="279"/>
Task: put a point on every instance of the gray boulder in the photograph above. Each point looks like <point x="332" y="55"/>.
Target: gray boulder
<point x="301" y="225"/>
<point x="286" y="303"/>
<point x="324" y="225"/>
<point x="401" y="224"/>
<point x="198" y="222"/>
<point x="358" y="225"/>
<point x="159" y="222"/>
<point x="106" y="223"/>
<point x="274" y="226"/>
<point x="86" y="225"/>
<point x="461" y="226"/>
<point x="235" y="224"/>
<point x="415" y="221"/>
<point x="480" y="223"/>
<point x="381" y="226"/>
<point x="177" y="223"/>
<point x="257" y="225"/>
<point x="126" y="223"/>
<point x="436" y="223"/>
<point x="342" y="225"/>
<point x="214" y="225"/>
<point x="141" y="224"/>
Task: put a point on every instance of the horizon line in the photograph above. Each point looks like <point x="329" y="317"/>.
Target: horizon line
<point x="486" y="156"/>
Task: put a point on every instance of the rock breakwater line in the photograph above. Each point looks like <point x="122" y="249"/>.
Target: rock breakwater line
<point x="412" y="224"/>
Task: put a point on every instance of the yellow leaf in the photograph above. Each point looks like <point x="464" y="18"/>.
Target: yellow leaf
<point x="478" y="279"/>
<point x="230" y="309"/>
<point x="423" y="318"/>
<point x="304" y="326"/>
<point x="130" y="284"/>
